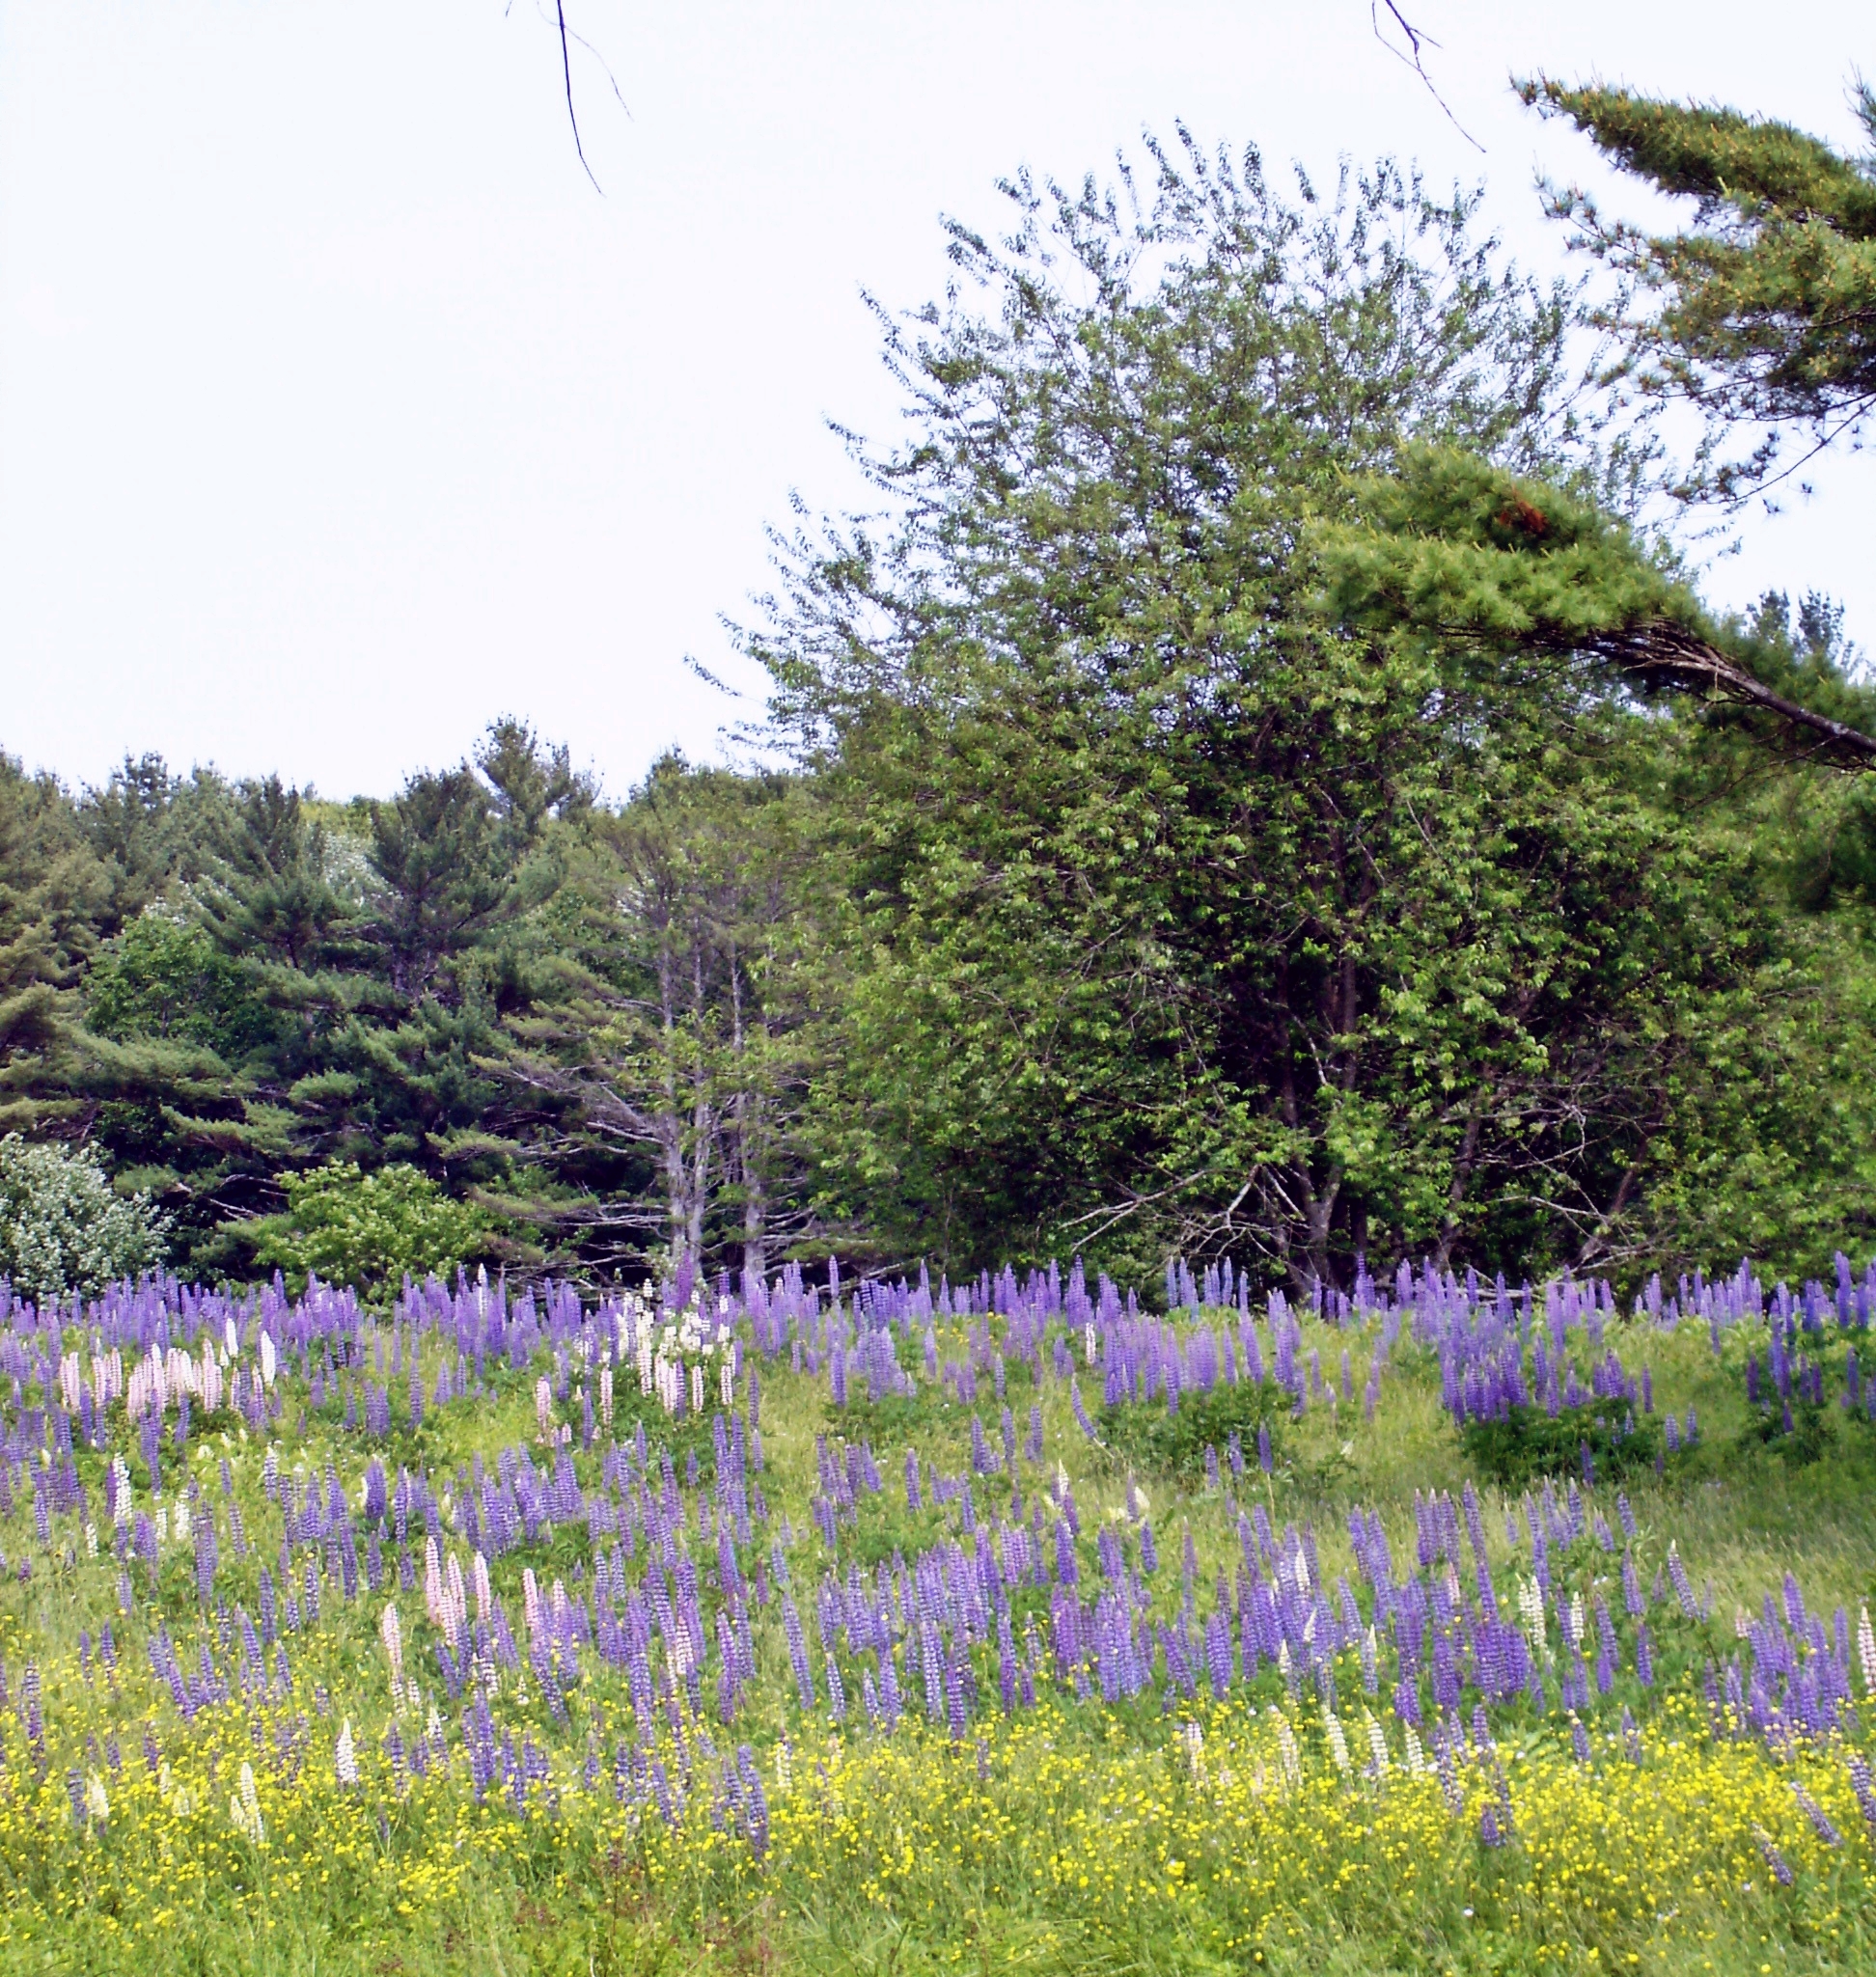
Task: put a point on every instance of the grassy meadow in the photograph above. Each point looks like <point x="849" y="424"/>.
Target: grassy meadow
<point x="934" y="1637"/>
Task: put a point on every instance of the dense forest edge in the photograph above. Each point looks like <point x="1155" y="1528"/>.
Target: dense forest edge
<point x="1262" y="782"/>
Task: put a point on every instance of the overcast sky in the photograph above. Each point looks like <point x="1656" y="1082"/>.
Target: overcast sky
<point x="339" y="413"/>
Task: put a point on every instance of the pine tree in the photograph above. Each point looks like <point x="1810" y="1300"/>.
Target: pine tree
<point x="53" y="888"/>
<point x="1768" y="301"/>
<point x="1455" y="549"/>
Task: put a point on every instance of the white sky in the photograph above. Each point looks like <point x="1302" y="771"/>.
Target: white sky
<point x="339" y="414"/>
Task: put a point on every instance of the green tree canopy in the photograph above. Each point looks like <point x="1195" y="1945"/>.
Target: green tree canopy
<point x="1172" y="908"/>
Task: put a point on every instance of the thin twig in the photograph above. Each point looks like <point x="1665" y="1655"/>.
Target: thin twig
<point x="567" y="75"/>
<point x="1411" y="55"/>
<point x="1858" y="412"/>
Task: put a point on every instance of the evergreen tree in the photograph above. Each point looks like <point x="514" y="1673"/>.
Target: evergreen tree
<point x="53" y="893"/>
<point x="676" y="1039"/>
<point x="1455" y="550"/>
<point x="1767" y="304"/>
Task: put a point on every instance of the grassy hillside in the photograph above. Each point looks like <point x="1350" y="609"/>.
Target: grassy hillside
<point x="937" y="1635"/>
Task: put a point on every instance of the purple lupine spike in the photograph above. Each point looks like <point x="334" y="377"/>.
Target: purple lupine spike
<point x="1863" y="1786"/>
<point x="1579" y="1739"/>
<point x="1815" y="1813"/>
<point x="891" y="1703"/>
<point x="1776" y="1861"/>
<point x="955" y="1706"/>
<point x="836" y="1691"/>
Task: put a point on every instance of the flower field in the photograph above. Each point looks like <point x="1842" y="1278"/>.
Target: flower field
<point x="1446" y="1627"/>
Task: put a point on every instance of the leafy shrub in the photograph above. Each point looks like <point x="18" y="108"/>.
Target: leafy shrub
<point x="368" y="1231"/>
<point x="1161" y="1442"/>
<point x="63" y="1228"/>
<point x="164" y="977"/>
<point x="1529" y="1443"/>
<point x="1797" y="1430"/>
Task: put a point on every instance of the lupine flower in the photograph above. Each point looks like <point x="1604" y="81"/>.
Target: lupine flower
<point x="1444" y="1763"/>
<point x="345" y="1759"/>
<point x="1864" y="1787"/>
<point x="1774" y="1859"/>
<point x="1817" y="1816"/>
<point x="1416" y="1752"/>
<point x="392" y="1634"/>
<point x="1377" y="1745"/>
<point x="244" y="1809"/>
<point x="755" y="1818"/>
<point x="836" y="1691"/>
<point x="1287" y="1749"/>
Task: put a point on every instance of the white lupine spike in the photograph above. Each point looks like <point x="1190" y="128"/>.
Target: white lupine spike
<point x="1377" y="1745"/>
<point x="208" y="1378"/>
<point x="244" y="1809"/>
<point x="1193" y="1737"/>
<point x="1286" y="1748"/>
<point x="1416" y="1755"/>
<point x="344" y="1758"/>
<point x="432" y="1582"/>
<point x="392" y="1634"/>
<point x="455" y="1605"/>
<point x="1866" y="1650"/>
<point x="268" y="1361"/>
<point x="530" y="1603"/>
